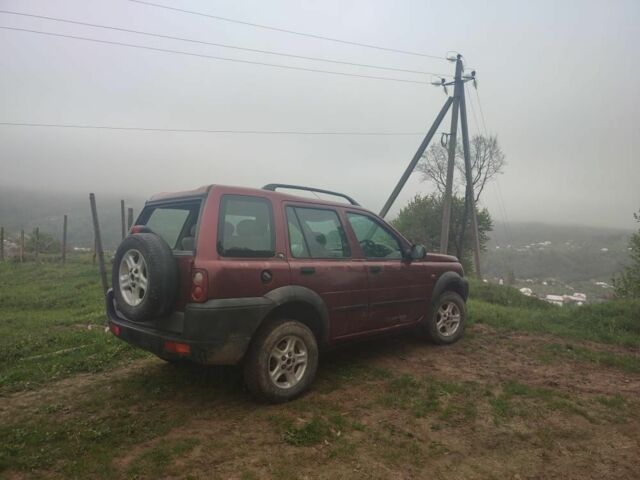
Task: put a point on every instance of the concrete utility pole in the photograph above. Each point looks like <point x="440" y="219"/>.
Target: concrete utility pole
<point x="470" y="193"/>
<point x="458" y="90"/>
<point x="416" y="158"/>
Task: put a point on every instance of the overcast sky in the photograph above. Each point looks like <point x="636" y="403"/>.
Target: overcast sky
<point x="559" y="84"/>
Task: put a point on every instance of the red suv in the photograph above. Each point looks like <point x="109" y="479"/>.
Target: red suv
<point x="228" y="275"/>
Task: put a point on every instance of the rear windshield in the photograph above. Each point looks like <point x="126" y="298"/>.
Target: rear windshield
<point x="176" y="223"/>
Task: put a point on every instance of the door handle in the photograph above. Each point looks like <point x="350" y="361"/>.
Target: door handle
<point x="307" y="270"/>
<point x="375" y="269"/>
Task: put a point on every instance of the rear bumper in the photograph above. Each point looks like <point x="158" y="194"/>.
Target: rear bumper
<point x="217" y="332"/>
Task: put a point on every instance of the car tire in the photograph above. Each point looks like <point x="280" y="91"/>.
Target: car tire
<point x="446" y="322"/>
<point x="282" y="361"/>
<point x="144" y="277"/>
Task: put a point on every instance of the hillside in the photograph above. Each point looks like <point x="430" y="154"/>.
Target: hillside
<point x="531" y="391"/>
<point x="25" y="209"/>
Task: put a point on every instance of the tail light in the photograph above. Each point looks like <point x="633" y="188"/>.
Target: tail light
<point x="177" y="348"/>
<point x="199" y="285"/>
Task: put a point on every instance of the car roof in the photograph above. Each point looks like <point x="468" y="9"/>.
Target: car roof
<point x="274" y="195"/>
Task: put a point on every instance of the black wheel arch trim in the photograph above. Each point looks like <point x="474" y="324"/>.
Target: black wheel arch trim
<point x="451" y="281"/>
<point x="295" y="293"/>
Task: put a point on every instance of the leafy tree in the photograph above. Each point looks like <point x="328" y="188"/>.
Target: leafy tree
<point x="487" y="162"/>
<point x="421" y="222"/>
<point x="628" y="282"/>
<point x="47" y="243"/>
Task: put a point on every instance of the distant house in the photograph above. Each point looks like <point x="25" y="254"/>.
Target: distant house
<point x="526" y="291"/>
<point x="555" y="299"/>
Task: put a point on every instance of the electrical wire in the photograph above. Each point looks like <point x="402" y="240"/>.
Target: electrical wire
<point x="293" y="32"/>
<point x="235" y="47"/>
<point x="200" y="55"/>
<point x="202" y="130"/>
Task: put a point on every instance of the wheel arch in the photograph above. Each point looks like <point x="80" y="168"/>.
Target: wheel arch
<point x="302" y="304"/>
<point x="451" y="282"/>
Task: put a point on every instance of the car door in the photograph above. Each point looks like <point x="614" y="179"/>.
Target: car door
<point x="397" y="287"/>
<point x="320" y="259"/>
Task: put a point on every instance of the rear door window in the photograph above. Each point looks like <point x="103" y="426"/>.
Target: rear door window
<point x="316" y="233"/>
<point x="175" y="223"/>
<point x="245" y="227"/>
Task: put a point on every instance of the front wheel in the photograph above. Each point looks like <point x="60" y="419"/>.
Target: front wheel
<point x="282" y="361"/>
<point x="446" y="323"/>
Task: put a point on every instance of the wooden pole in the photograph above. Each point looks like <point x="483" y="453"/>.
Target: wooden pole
<point x="1" y="244"/>
<point x="95" y="250"/>
<point x="64" y="240"/>
<point x="37" y="235"/>
<point x="129" y="218"/>
<point x="96" y="230"/>
<point x="21" y="246"/>
<point x="122" y="219"/>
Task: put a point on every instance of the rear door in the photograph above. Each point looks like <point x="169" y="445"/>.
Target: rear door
<point x="398" y="288"/>
<point x="320" y="259"/>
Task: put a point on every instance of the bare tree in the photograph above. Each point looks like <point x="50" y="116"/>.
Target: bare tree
<point x="487" y="162"/>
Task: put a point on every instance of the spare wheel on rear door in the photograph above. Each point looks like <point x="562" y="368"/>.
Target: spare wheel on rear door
<point x="144" y="277"/>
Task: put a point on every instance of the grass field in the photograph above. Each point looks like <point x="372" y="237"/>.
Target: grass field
<point x="532" y="391"/>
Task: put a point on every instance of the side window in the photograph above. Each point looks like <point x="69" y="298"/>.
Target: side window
<point x="245" y="227"/>
<point x="375" y="241"/>
<point x="297" y="242"/>
<point x="316" y="233"/>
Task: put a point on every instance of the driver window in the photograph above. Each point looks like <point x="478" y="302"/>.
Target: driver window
<point x="375" y="241"/>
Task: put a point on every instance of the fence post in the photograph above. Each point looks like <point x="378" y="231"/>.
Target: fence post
<point x="37" y="235"/>
<point x="96" y="229"/>
<point x="64" y="240"/>
<point x="129" y="218"/>
<point x="21" y="246"/>
<point x="122" y="218"/>
<point x="1" y="244"/>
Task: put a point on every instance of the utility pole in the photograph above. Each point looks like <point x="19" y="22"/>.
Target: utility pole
<point x="470" y="193"/>
<point x="458" y="89"/>
<point x="416" y="158"/>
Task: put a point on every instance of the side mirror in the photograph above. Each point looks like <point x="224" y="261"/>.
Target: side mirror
<point x="418" y="252"/>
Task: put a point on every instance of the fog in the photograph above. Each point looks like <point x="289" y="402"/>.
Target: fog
<point x="558" y="83"/>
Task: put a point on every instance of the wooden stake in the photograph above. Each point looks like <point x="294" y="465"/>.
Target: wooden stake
<point x="37" y="235"/>
<point x="129" y="218"/>
<point x="64" y="240"/>
<point x="96" y="230"/>
<point x="122" y="218"/>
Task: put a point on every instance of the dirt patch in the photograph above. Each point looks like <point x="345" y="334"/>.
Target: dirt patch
<point x="486" y="407"/>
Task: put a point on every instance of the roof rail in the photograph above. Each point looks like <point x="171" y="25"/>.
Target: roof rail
<point x="274" y="186"/>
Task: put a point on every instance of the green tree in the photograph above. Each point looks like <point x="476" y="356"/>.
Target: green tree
<point x="421" y="220"/>
<point x="627" y="284"/>
<point x="47" y="243"/>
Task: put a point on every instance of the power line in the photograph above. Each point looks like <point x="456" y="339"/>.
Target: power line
<point x="283" y="30"/>
<point x="200" y="55"/>
<point x="202" y="130"/>
<point x="235" y="47"/>
<point x="481" y="112"/>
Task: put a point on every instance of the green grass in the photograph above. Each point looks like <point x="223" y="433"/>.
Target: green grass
<point x="52" y="325"/>
<point x="626" y="363"/>
<point x="615" y="322"/>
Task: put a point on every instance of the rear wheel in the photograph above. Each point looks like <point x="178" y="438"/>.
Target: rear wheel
<point x="447" y="321"/>
<point x="282" y="361"/>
